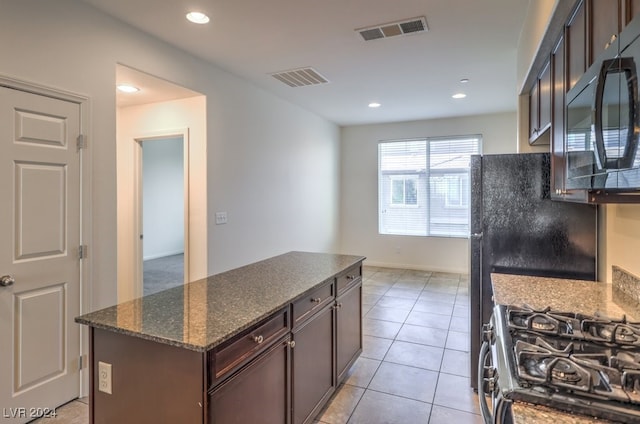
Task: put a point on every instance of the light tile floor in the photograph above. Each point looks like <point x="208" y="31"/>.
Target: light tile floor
<point x="414" y="367"/>
<point x="415" y="362"/>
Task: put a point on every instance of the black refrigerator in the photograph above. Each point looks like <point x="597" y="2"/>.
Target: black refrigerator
<point x="517" y="229"/>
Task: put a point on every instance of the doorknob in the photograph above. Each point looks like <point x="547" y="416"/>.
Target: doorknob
<point x="7" y="280"/>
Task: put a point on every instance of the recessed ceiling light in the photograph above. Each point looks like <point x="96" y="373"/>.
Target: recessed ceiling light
<point x="374" y="105"/>
<point x="464" y="80"/>
<point x="127" y="88"/>
<point x="459" y="96"/>
<point x="197" y="17"/>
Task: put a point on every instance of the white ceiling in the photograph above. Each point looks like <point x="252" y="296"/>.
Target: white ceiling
<point x="412" y="76"/>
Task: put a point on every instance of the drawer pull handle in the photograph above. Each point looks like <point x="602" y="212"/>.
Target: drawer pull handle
<point x="316" y="300"/>
<point x="258" y="339"/>
<point x="351" y="277"/>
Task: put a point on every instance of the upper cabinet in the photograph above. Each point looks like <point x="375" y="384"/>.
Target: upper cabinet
<point x="605" y="23"/>
<point x="540" y="106"/>
<point x="576" y="52"/>
<point x="595" y="116"/>
<point x="630" y="8"/>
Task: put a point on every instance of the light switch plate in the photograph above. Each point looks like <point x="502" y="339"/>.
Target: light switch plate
<point x="221" y="218"/>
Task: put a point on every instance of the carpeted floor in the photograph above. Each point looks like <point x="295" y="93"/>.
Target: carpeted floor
<point x="163" y="273"/>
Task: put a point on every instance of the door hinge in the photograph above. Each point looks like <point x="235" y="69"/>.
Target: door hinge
<point x="81" y="361"/>
<point x="83" y="251"/>
<point x="81" y="142"/>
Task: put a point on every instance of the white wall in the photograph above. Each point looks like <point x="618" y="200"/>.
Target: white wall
<point x="274" y="168"/>
<point x="163" y="197"/>
<point x="272" y="165"/>
<point x="359" y="191"/>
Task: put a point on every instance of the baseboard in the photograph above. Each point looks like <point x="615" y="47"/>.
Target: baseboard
<point x="162" y="255"/>
<point x="415" y="267"/>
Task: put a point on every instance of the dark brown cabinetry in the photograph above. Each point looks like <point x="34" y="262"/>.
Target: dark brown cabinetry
<point x="576" y="45"/>
<point x="281" y="369"/>
<point x="151" y="382"/>
<point x="558" y="93"/>
<point x="558" y="151"/>
<point x="605" y="23"/>
<point x="534" y="109"/>
<point x="585" y="39"/>
<point x="264" y="381"/>
<point x="313" y="379"/>
<point x="255" y="365"/>
<point x="630" y="8"/>
<point x="540" y="106"/>
<point x="243" y="348"/>
<point x="349" y="327"/>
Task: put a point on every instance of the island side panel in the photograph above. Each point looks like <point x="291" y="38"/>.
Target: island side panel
<point x="151" y="382"/>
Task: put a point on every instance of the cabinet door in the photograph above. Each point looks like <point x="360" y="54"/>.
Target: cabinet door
<point x="557" y="135"/>
<point x="348" y="329"/>
<point x="312" y="365"/>
<point x="630" y="10"/>
<point x="540" y="105"/>
<point x="545" y="98"/>
<point x="258" y="394"/>
<point x="604" y="17"/>
<point x="534" y="111"/>
<point x="576" y="44"/>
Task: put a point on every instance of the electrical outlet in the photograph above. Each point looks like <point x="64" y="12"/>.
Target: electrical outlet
<point x="104" y="377"/>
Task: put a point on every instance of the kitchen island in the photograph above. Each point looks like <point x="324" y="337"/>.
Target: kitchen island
<point x="577" y="296"/>
<point x="267" y="342"/>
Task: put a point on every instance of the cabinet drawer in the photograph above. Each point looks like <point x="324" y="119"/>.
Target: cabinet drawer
<point x="349" y="277"/>
<point x="243" y="348"/>
<point x="257" y="393"/>
<point x="313" y="302"/>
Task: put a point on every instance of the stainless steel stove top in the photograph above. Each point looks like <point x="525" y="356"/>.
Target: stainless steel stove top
<point x="578" y="363"/>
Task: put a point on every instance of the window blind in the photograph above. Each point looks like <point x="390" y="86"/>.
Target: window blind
<point x="423" y="186"/>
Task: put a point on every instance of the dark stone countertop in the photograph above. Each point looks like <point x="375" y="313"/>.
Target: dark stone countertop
<point x="587" y="297"/>
<point x="202" y="314"/>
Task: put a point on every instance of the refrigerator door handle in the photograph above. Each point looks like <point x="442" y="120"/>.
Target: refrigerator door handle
<point x="476" y="236"/>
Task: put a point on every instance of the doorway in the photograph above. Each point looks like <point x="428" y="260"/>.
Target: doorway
<point x="162" y="189"/>
<point x="159" y="110"/>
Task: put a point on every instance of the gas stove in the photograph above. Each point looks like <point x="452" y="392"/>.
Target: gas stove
<point x="578" y="363"/>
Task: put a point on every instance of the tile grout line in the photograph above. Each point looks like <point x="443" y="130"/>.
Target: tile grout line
<point x="439" y="371"/>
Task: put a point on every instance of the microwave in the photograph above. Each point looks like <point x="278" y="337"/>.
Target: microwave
<point x="603" y="121"/>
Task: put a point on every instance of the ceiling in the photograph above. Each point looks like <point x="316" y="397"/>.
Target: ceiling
<point x="412" y="76"/>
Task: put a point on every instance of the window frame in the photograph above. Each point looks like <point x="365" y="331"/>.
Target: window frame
<point x="397" y="177"/>
<point x="431" y="229"/>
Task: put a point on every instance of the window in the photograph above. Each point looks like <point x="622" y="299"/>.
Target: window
<point x="423" y="186"/>
<point x="404" y="190"/>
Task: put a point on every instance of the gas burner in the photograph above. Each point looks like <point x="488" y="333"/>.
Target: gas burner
<point x="564" y="371"/>
<point x="631" y="384"/>
<point x="540" y="321"/>
<point x="618" y="332"/>
<point x="541" y="363"/>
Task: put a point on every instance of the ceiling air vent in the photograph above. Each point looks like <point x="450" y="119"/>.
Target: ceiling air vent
<point x="300" y="77"/>
<point x="408" y="26"/>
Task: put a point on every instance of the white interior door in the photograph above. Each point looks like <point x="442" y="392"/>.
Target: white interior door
<point x="39" y="239"/>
